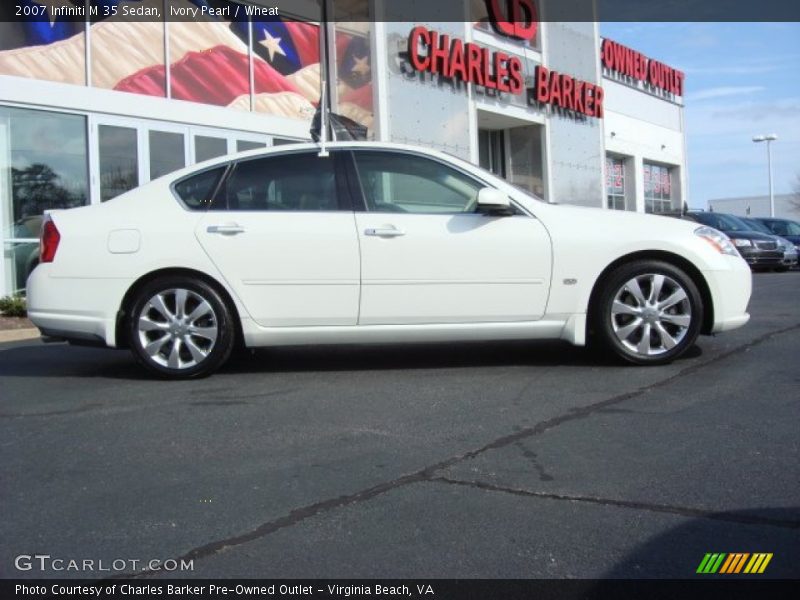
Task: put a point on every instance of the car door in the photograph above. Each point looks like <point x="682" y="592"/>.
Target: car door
<point x="427" y="256"/>
<point x="283" y="236"/>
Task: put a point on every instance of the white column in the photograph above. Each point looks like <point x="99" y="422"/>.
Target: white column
<point x="5" y="206"/>
<point x="638" y="167"/>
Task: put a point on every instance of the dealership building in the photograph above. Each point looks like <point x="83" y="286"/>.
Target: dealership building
<point x="785" y="206"/>
<point x="91" y="107"/>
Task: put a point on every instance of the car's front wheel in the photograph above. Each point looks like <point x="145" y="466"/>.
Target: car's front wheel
<point x="648" y="312"/>
<point x="180" y="328"/>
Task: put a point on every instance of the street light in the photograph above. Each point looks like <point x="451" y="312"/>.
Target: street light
<point x="769" y="139"/>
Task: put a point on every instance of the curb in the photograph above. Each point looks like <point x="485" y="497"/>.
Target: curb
<point x="16" y="335"/>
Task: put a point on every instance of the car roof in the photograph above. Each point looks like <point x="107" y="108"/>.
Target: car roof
<point x="340" y="145"/>
<point x="310" y="146"/>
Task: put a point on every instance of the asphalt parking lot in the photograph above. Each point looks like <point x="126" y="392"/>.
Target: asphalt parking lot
<point x="514" y="460"/>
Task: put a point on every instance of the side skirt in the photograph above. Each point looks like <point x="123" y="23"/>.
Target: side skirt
<point x="552" y="327"/>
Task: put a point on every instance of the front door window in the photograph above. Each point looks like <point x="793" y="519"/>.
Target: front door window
<point x="405" y="183"/>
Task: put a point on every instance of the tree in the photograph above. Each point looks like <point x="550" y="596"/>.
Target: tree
<point x="36" y="188"/>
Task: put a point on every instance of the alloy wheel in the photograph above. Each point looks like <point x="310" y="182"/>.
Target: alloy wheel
<point x="177" y="328"/>
<point x="651" y="314"/>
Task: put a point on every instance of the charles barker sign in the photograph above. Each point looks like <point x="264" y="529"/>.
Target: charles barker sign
<point x="452" y="58"/>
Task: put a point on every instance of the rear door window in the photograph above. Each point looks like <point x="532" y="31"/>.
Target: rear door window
<point x="292" y="182"/>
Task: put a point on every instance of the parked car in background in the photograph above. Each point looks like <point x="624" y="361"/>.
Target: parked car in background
<point x="786" y="228"/>
<point x="790" y="250"/>
<point x="371" y="243"/>
<point x="760" y="250"/>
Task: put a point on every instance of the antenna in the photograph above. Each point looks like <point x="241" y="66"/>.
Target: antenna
<point x="324" y="100"/>
<point x="323" y="123"/>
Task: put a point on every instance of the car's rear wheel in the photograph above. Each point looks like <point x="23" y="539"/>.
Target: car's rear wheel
<point x="648" y="312"/>
<point x="180" y="328"/>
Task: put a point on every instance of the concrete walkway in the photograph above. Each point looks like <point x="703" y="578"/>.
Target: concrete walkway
<point x="16" y="335"/>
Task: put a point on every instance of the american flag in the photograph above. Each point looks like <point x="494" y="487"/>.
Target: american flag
<point x="208" y="60"/>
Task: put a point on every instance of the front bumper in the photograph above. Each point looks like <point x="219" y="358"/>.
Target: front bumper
<point x="730" y="293"/>
<point x="756" y="257"/>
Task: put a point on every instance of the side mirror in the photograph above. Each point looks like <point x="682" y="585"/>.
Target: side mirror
<point x="494" y="202"/>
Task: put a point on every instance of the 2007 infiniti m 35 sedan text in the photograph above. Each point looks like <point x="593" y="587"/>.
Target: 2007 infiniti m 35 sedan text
<point x="371" y="243"/>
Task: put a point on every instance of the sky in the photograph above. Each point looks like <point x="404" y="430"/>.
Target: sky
<point x="742" y="79"/>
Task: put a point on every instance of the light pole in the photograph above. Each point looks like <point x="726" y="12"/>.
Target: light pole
<point x="769" y="138"/>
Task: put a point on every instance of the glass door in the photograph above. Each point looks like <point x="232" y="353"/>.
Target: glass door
<point x="118" y="158"/>
<point x="167" y="151"/>
<point x="42" y="166"/>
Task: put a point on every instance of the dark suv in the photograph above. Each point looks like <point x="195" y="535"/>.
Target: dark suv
<point x="761" y="251"/>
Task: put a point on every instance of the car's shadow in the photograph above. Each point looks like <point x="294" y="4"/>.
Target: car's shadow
<point x="62" y="360"/>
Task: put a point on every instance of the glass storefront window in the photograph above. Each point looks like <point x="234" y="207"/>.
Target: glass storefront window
<point x="43" y="165"/>
<point x="243" y="145"/>
<point x="615" y="182"/>
<point x="20" y="259"/>
<point x="206" y="148"/>
<point x="492" y="151"/>
<point x="657" y="188"/>
<point x="44" y="161"/>
<point x="119" y="160"/>
<point x="167" y="153"/>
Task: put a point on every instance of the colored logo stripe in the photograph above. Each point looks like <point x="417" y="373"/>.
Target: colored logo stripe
<point x="758" y="563"/>
<point x="711" y="563"/>
<point x="733" y="563"/>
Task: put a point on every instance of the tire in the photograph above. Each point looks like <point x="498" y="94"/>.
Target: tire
<point x="648" y="312"/>
<point x="180" y="328"/>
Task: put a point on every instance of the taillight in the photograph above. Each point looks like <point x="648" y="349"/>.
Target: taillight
<point x="49" y="242"/>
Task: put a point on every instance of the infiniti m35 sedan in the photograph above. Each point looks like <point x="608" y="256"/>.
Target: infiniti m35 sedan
<point x="371" y="243"/>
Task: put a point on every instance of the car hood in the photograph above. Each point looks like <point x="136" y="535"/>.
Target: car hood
<point x="613" y="223"/>
<point x="750" y="235"/>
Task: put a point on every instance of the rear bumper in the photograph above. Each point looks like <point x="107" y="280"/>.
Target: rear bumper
<point x="730" y="293"/>
<point x="77" y="310"/>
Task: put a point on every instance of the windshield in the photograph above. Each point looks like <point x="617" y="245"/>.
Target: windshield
<point x="757" y="226"/>
<point x="784" y="227"/>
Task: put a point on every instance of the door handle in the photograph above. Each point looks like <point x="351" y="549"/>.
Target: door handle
<point x="384" y="232"/>
<point x="227" y="229"/>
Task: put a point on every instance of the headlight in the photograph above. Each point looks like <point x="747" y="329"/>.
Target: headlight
<point x="740" y="243"/>
<point x="717" y="239"/>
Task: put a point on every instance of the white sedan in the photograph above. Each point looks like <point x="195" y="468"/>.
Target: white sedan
<point x="372" y="243"/>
